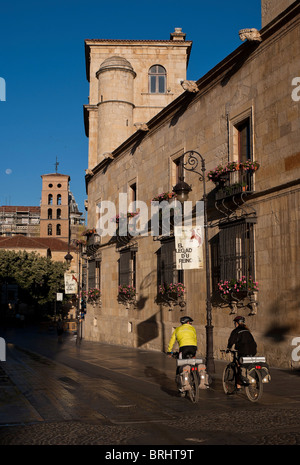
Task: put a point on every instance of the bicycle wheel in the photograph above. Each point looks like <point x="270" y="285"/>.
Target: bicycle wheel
<point x="194" y="391"/>
<point x="229" y="383"/>
<point x="255" y="389"/>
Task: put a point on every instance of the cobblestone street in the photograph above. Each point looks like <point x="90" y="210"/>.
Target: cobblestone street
<point x="96" y="394"/>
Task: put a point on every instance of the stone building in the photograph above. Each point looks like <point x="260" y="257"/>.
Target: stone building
<point x="243" y="119"/>
<point x="130" y="82"/>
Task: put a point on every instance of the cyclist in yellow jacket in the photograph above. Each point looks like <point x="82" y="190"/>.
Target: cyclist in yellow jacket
<point x="186" y="337"/>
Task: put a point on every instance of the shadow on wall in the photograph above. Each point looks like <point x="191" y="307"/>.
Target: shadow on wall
<point x="144" y="289"/>
<point x="147" y="330"/>
<point x="285" y="322"/>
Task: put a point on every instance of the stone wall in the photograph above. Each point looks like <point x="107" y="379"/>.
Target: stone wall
<point x="256" y="81"/>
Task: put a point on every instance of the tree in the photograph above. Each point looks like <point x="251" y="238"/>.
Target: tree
<point x="39" y="278"/>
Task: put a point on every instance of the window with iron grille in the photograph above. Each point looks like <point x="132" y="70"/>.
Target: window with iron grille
<point x="94" y="274"/>
<point x="236" y="251"/>
<point x="127" y="268"/>
<point x="166" y="264"/>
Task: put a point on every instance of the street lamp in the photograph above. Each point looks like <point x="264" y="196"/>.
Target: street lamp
<point x="182" y="189"/>
<point x="68" y="258"/>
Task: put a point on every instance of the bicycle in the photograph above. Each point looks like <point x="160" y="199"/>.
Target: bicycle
<point x="256" y="373"/>
<point x="192" y="376"/>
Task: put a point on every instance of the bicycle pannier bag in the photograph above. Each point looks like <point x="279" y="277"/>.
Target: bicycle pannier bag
<point x="203" y="376"/>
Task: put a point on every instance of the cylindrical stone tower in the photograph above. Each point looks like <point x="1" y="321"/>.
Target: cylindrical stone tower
<point x="115" y="103"/>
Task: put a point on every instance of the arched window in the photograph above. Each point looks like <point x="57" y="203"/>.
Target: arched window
<point x="157" y="79"/>
<point x="59" y="199"/>
<point x="58" y="229"/>
<point x="50" y="199"/>
<point x="58" y="214"/>
<point x="49" y="213"/>
<point x="49" y="229"/>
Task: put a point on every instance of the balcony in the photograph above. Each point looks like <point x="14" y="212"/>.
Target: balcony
<point x="235" y="183"/>
<point x="233" y="179"/>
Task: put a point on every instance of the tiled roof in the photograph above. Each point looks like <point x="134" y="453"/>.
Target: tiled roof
<point x="14" y="209"/>
<point x="25" y="242"/>
<point x="56" y="174"/>
<point x="137" y="40"/>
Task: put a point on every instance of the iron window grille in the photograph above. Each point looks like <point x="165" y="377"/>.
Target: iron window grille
<point x="166" y="264"/>
<point x="127" y="268"/>
<point x="236" y="250"/>
<point x="94" y="274"/>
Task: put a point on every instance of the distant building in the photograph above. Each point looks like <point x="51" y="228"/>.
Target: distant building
<point x="51" y="230"/>
<point x="57" y="216"/>
<point x="19" y="220"/>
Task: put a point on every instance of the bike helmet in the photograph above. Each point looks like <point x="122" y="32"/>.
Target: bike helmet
<point x="239" y="319"/>
<point x="185" y="319"/>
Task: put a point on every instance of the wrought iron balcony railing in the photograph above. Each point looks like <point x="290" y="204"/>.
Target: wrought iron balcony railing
<point x="235" y="183"/>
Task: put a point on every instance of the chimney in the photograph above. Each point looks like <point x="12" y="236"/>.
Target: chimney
<point x="178" y="34"/>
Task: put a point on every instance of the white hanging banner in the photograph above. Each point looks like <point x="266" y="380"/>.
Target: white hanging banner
<point x="189" y="247"/>
<point x="71" y="280"/>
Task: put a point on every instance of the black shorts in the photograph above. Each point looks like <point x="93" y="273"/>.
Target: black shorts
<point x="188" y="350"/>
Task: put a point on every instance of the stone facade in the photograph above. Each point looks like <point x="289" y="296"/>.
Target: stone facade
<point x="270" y="9"/>
<point x="120" y="97"/>
<point x="252" y="85"/>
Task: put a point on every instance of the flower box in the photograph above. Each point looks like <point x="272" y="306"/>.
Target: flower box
<point x="237" y="289"/>
<point x="171" y="295"/>
<point x="92" y="295"/>
<point x="89" y="232"/>
<point x="218" y="173"/>
<point x="126" y="292"/>
<point x="172" y="290"/>
<point x="164" y="196"/>
<point x="128" y="215"/>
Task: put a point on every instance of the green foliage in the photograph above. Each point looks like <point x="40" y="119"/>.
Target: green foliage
<point x="39" y="278"/>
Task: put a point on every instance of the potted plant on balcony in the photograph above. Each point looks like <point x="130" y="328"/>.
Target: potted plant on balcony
<point x="126" y="294"/>
<point x="234" y="291"/>
<point x="172" y="294"/>
<point x="250" y="165"/>
<point x="89" y="232"/>
<point x="220" y="172"/>
<point x="92" y="296"/>
<point x="164" y="196"/>
<point x="128" y="215"/>
<point x="216" y="174"/>
<point x="123" y="232"/>
<point x="232" y="166"/>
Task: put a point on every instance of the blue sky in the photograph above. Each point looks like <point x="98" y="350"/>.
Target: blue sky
<point x="43" y="64"/>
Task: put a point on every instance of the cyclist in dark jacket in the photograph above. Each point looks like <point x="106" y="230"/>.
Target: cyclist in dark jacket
<point x="243" y="341"/>
<point x="242" y="338"/>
